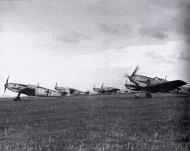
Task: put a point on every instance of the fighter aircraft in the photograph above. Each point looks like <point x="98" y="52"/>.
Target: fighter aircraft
<point x="66" y="91"/>
<point x="148" y="85"/>
<point x="106" y="90"/>
<point x="30" y="90"/>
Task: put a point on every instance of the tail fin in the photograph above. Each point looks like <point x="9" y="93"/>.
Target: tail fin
<point x="56" y="85"/>
<point x="102" y="85"/>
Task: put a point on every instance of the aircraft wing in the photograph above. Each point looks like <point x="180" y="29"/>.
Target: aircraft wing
<point x="112" y="90"/>
<point x="133" y="87"/>
<point x="164" y="87"/>
<point x="28" y="91"/>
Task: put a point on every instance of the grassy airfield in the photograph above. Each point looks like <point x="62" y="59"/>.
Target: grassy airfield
<point x="98" y="123"/>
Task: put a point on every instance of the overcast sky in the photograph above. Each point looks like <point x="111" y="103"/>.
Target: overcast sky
<point x="79" y="43"/>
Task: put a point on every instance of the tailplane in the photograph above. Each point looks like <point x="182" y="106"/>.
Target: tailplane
<point x="56" y="85"/>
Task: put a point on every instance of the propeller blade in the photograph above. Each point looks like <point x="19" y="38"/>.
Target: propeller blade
<point x="136" y="69"/>
<point x="7" y="79"/>
<point x="6" y="84"/>
<point x="5" y="88"/>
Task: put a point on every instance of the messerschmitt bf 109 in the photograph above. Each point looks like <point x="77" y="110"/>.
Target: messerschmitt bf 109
<point x="30" y="90"/>
<point x="148" y="85"/>
<point x="66" y="91"/>
<point x="106" y="90"/>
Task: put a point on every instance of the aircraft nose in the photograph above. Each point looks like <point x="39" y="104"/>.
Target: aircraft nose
<point x="5" y="87"/>
<point x="131" y="79"/>
<point x="180" y="82"/>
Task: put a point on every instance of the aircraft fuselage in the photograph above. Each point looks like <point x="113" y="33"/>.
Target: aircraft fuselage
<point x="15" y="87"/>
<point x="106" y="90"/>
<point x="142" y="81"/>
<point x="66" y="91"/>
<point x="30" y="90"/>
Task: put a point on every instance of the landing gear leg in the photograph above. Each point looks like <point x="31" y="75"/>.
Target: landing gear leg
<point x="148" y="95"/>
<point x="17" y="98"/>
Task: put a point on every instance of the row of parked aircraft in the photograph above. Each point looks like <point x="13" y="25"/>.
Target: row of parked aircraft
<point x="139" y="85"/>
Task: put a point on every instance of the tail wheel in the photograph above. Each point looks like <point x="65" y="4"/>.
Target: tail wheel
<point x="17" y="99"/>
<point x="148" y="95"/>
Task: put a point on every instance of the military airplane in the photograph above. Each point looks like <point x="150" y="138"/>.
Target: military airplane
<point x="106" y="90"/>
<point x="148" y="85"/>
<point x="30" y="90"/>
<point x="66" y="91"/>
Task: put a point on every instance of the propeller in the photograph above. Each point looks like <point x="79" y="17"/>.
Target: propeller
<point x="136" y="69"/>
<point x="6" y="84"/>
<point x="134" y="72"/>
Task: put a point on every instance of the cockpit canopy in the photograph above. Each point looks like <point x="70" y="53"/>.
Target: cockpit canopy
<point x="31" y="86"/>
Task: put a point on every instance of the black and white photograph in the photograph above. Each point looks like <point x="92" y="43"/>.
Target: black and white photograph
<point x="94" y="75"/>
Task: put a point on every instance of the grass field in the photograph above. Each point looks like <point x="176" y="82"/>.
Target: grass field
<point x="97" y="123"/>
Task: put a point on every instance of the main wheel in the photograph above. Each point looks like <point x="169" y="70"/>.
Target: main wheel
<point x="17" y="99"/>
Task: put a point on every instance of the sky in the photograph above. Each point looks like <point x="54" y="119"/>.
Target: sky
<point x="79" y="43"/>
